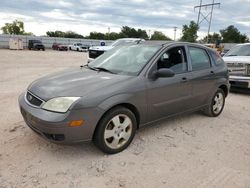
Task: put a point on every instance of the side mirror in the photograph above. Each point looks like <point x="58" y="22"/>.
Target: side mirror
<point x="164" y="73"/>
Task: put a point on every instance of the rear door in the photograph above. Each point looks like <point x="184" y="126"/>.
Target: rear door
<point x="204" y="78"/>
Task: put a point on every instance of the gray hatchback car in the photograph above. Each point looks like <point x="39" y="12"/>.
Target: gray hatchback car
<point x="124" y="89"/>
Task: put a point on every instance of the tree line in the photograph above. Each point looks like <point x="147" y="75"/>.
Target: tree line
<point x="231" y="34"/>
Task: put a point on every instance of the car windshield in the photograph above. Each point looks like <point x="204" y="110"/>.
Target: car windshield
<point x="127" y="60"/>
<point x="121" y="42"/>
<point x="241" y="50"/>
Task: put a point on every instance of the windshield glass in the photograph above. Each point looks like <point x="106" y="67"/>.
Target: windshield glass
<point x="127" y="60"/>
<point x="121" y="42"/>
<point x="37" y="41"/>
<point x="241" y="50"/>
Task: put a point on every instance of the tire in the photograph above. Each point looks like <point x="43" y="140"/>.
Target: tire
<point x="77" y="49"/>
<point x="115" y="131"/>
<point x="216" y="105"/>
<point x="69" y="48"/>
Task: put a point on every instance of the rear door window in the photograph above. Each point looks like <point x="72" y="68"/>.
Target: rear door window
<point x="199" y="58"/>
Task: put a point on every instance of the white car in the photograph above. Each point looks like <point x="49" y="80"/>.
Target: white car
<point x="79" y="47"/>
<point x="238" y="62"/>
<point x="96" y="51"/>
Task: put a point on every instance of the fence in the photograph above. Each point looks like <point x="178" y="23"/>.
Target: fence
<point x="47" y="41"/>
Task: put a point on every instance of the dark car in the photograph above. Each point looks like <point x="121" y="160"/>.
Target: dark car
<point x="59" y="47"/>
<point x="126" y="88"/>
<point x="36" y="45"/>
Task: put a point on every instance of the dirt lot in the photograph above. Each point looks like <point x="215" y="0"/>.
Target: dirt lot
<point x="188" y="151"/>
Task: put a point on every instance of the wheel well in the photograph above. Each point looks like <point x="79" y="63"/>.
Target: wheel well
<point x="225" y="89"/>
<point x="129" y="106"/>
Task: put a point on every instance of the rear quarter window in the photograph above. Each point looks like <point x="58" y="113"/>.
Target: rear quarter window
<point x="217" y="58"/>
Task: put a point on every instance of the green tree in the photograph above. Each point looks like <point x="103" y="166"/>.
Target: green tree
<point x="112" y="36"/>
<point x="133" y="33"/>
<point x="189" y="32"/>
<point x="96" y="35"/>
<point x="71" y="34"/>
<point x="16" y="27"/>
<point x="232" y="35"/>
<point x="68" y="34"/>
<point x="157" y="35"/>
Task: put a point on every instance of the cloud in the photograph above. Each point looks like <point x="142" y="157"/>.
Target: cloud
<point x="97" y="15"/>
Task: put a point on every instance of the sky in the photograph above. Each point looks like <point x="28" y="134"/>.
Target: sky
<point x="84" y="16"/>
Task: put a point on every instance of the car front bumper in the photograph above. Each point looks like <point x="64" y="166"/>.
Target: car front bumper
<point x="55" y="126"/>
<point x="239" y="81"/>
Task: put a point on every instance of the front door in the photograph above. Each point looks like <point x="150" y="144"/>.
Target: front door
<point x="168" y="96"/>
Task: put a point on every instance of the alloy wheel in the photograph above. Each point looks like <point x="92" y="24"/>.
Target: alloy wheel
<point x="218" y="103"/>
<point x="118" y="131"/>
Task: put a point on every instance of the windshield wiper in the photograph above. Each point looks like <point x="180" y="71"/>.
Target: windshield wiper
<point x="232" y="55"/>
<point x="89" y="67"/>
<point x="97" y="68"/>
<point x="102" y="69"/>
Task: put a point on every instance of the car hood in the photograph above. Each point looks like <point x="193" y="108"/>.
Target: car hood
<point x="74" y="82"/>
<point x="237" y="59"/>
<point x="101" y="48"/>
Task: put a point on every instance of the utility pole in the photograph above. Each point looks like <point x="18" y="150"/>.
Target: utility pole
<point x="206" y="16"/>
<point x="175" y="29"/>
<point x="149" y="34"/>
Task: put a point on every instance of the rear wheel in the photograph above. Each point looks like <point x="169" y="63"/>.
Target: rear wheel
<point x="217" y="104"/>
<point x="115" y="131"/>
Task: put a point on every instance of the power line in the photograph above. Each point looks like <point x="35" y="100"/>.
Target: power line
<point x="208" y="16"/>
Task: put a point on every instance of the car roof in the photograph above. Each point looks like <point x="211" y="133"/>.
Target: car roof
<point x="166" y="43"/>
<point x="129" y="38"/>
<point x="244" y="44"/>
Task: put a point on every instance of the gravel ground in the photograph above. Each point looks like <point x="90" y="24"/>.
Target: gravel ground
<point x="187" y="151"/>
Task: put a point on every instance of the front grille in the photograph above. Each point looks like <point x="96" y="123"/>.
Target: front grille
<point x="248" y="70"/>
<point x="33" y="99"/>
<point x="237" y="69"/>
<point x="95" y="53"/>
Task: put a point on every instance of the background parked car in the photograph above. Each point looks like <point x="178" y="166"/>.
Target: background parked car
<point x="80" y="47"/>
<point x="96" y="51"/>
<point x="36" y="45"/>
<point x="60" y="47"/>
<point x="238" y="62"/>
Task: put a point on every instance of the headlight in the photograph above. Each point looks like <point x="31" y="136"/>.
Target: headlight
<point x="59" y="104"/>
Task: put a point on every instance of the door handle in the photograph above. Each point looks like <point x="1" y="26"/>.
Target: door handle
<point x="212" y="72"/>
<point x="184" y="79"/>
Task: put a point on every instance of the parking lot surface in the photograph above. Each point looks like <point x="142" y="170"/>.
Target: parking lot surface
<point x="186" y="151"/>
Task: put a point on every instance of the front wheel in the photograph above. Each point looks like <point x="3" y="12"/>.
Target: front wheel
<point x="217" y="104"/>
<point x="115" y="131"/>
